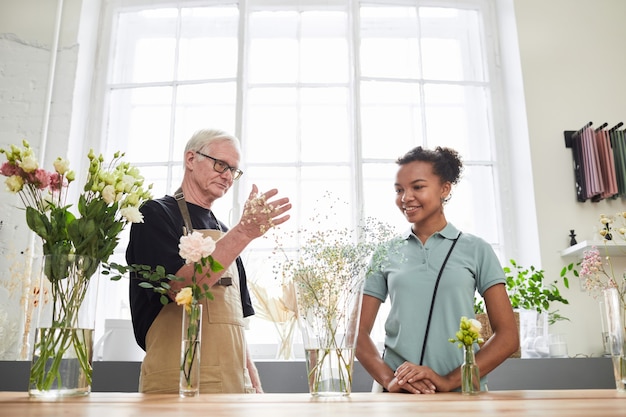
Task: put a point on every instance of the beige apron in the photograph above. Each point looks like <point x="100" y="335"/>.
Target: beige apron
<point x="223" y="357"/>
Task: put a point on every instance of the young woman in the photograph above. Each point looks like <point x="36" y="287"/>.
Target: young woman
<point x="431" y="285"/>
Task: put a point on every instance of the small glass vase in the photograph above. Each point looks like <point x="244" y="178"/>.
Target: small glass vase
<point x="470" y="374"/>
<point x="61" y="364"/>
<point x="190" y="347"/>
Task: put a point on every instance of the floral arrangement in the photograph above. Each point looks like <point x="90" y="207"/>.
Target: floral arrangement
<point x="280" y="309"/>
<point x="468" y="334"/>
<point x="197" y="249"/>
<point x="110" y="200"/>
<point x="597" y="272"/>
<point x="328" y="275"/>
<point x="193" y="248"/>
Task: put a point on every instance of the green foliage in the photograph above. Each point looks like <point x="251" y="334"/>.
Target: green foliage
<point x="155" y="279"/>
<point x="527" y="289"/>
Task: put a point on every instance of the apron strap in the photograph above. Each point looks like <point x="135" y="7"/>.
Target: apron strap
<point x="182" y="205"/>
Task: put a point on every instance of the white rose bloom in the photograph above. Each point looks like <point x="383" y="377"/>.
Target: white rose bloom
<point x="14" y="183"/>
<point x="475" y="325"/>
<point x="129" y="182"/>
<point x="29" y="164"/>
<point x="108" y="194"/>
<point x="61" y="165"/>
<point x="132" y="214"/>
<point x="195" y="246"/>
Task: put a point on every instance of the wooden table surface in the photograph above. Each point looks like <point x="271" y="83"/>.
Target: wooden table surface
<point x="566" y="403"/>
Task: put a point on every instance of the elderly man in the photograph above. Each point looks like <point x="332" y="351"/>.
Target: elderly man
<point x="211" y="166"/>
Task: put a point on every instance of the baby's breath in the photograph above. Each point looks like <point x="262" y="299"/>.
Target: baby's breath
<point x="331" y="264"/>
<point x="258" y="205"/>
<point x="328" y="273"/>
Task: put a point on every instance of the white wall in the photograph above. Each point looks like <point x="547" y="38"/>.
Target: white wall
<point x="573" y="65"/>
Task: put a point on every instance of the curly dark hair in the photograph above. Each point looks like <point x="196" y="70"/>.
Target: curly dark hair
<point x="447" y="163"/>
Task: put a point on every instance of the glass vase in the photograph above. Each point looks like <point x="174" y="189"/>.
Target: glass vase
<point x="190" y="347"/>
<point x="61" y="364"/>
<point x="615" y="311"/>
<point x="328" y="317"/>
<point x="470" y="374"/>
<point x="285" y="331"/>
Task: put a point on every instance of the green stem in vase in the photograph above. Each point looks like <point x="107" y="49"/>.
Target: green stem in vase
<point x="331" y="315"/>
<point x="193" y="332"/>
<point x="69" y="284"/>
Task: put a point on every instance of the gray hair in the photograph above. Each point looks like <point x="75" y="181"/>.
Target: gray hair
<point x="205" y="137"/>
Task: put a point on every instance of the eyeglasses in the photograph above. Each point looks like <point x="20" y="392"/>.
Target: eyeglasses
<point x="221" y="166"/>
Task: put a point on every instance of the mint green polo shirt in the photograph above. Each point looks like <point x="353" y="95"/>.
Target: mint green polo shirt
<point x="408" y="279"/>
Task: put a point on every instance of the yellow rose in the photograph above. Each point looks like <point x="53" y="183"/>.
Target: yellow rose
<point x="184" y="296"/>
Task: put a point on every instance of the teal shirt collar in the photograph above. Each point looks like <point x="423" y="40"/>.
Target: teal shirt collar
<point x="448" y="232"/>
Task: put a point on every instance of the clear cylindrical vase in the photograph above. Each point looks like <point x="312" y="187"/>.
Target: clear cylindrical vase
<point x="191" y="344"/>
<point x="470" y="374"/>
<point x="61" y="364"/>
<point x="615" y="310"/>
<point x="328" y="314"/>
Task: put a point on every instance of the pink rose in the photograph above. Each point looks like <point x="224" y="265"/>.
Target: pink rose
<point x="8" y="169"/>
<point x="39" y="178"/>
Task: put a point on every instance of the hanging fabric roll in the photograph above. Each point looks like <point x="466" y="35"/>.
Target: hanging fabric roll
<point x="606" y="164"/>
<point x="619" y="154"/>
<point x="599" y="162"/>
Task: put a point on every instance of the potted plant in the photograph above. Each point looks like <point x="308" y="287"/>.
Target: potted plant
<point x="528" y="290"/>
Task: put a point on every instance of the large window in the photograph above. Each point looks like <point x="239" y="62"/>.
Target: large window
<point x="323" y="95"/>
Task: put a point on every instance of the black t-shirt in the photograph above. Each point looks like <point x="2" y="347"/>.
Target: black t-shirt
<point x="155" y="242"/>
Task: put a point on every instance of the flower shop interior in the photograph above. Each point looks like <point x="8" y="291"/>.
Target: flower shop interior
<point x="562" y="67"/>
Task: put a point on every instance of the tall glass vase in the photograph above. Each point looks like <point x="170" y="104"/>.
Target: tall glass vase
<point x="329" y="321"/>
<point x="615" y="312"/>
<point x="61" y="364"/>
<point x="470" y="374"/>
<point x="190" y="347"/>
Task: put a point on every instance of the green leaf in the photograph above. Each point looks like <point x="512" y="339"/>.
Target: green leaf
<point x="38" y="222"/>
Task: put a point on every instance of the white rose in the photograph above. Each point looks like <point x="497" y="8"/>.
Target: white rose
<point x="475" y="325"/>
<point x="195" y="246"/>
<point x="14" y="183"/>
<point x="132" y="214"/>
<point x="108" y="194"/>
<point x="29" y="164"/>
<point x="61" y="165"/>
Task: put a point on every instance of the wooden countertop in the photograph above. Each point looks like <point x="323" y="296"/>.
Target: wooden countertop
<point x="566" y="403"/>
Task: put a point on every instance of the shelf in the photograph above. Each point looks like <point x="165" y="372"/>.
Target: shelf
<point x="610" y="248"/>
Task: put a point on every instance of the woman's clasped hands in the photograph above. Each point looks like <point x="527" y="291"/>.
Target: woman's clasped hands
<point x="416" y="379"/>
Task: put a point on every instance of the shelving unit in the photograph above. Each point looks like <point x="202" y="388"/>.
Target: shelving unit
<point x="610" y="248"/>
